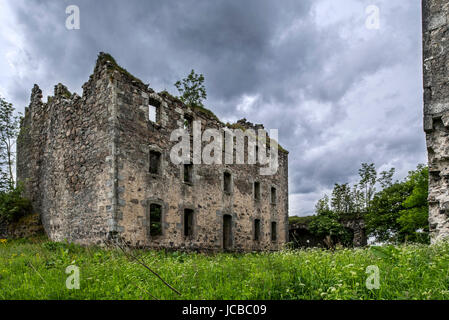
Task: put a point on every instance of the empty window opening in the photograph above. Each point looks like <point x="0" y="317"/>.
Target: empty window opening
<point x="152" y="113"/>
<point x="188" y="122"/>
<point x="223" y="147"/>
<point x="273" y="195"/>
<point x="188" y="222"/>
<point x="227" y="182"/>
<point x="155" y="162"/>
<point x="257" y="154"/>
<point x="154" y="110"/>
<point x="227" y="232"/>
<point x="257" y="191"/>
<point x="155" y="220"/>
<point x="273" y="231"/>
<point x="188" y="173"/>
<point x="257" y="229"/>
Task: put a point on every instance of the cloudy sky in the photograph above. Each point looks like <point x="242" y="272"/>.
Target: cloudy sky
<point x="340" y="93"/>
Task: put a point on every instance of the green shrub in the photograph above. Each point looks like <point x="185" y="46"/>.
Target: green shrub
<point x="300" y="220"/>
<point x="13" y="205"/>
<point x="325" y="225"/>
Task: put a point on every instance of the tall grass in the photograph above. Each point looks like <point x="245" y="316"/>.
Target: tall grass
<point x="35" y="269"/>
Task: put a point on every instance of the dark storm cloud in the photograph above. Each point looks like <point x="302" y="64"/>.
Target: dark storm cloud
<point x="328" y="86"/>
<point x="229" y="41"/>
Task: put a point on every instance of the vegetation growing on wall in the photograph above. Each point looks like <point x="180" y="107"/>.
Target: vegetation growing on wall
<point x="192" y="90"/>
<point x="103" y="58"/>
<point x="65" y="92"/>
<point x="300" y="220"/>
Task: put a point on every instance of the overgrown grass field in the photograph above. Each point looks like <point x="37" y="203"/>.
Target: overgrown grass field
<point x="35" y="269"/>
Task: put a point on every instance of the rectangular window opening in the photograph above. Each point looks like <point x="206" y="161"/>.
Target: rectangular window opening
<point x="188" y="173"/>
<point x="257" y="191"/>
<point x="273" y="231"/>
<point x="257" y="154"/>
<point x="257" y="229"/>
<point x="273" y="195"/>
<point x="227" y="182"/>
<point x="188" y="122"/>
<point x="154" y="110"/>
<point x="155" y="162"/>
<point x="155" y="220"/>
<point x="188" y="222"/>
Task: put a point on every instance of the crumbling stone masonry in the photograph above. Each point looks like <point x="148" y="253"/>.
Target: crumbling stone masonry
<point x="436" y="112"/>
<point x="96" y="166"/>
<point x="301" y="236"/>
<point x="25" y="227"/>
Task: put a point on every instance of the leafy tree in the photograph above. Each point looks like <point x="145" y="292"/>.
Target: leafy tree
<point x="327" y="225"/>
<point x="9" y="129"/>
<point x="358" y="201"/>
<point x="326" y="222"/>
<point x="386" y="178"/>
<point x="192" y="89"/>
<point x="414" y="218"/>
<point x="322" y="206"/>
<point x="368" y="178"/>
<point x="400" y="212"/>
<point x="397" y="213"/>
<point x="12" y="205"/>
<point x="381" y="221"/>
<point x="342" y="200"/>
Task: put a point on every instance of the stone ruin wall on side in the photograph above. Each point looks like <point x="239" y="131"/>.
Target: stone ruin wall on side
<point x="436" y="112"/>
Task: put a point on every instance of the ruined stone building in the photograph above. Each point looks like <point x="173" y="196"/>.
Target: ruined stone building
<point x="301" y="236"/>
<point x="436" y="112"/>
<point x="98" y="165"/>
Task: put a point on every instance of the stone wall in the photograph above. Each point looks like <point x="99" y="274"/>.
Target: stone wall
<point x="436" y="112"/>
<point x="358" y="229"/>
<point x="62" y="156"/>
<point x="138" y="188"/>
<point x="25" y="227"/>
<point x="86" y="161"/>
<point x="301" y="236"/>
